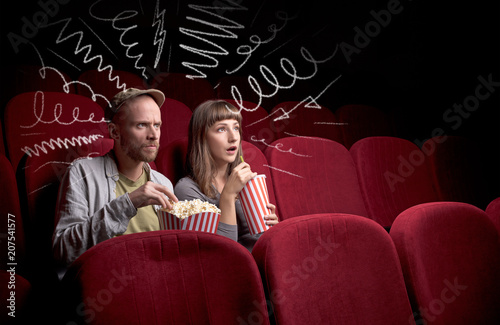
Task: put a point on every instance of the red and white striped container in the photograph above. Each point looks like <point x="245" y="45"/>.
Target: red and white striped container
<point x="204" y="221"/>
<point x="254" y="199"/>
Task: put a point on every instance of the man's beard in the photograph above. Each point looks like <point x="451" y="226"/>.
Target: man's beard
<point x="136" y="153"/>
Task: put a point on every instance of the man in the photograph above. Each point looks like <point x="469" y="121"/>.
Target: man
<point x="116" y="194"/>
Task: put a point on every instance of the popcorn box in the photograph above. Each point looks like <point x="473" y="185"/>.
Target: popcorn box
<point x="254" y="199"/>
<point x="204" y="221"/>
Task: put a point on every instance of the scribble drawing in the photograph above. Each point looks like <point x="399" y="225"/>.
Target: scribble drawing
<point x="161" y="33"/>
<point x="202" y="35"/>
<point x="60" y="143"/>
<point x="39" y="100"/>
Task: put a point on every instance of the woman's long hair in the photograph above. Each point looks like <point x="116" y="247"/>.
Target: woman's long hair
<point x="200" y="165"/>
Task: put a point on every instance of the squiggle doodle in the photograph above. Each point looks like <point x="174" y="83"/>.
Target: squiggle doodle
<point x="88" y="48"/>
<point x="66" y="143"/>
<point x="255" y="39"/>
<point x="124" y="15"/>
<point x="43" y="74"/>
<point x="201" y="35"/>
<point x="161" y="33"/>
<point x="57" y="113"/>
<point x="277" y="146"/>
<point x="289" y="68"/>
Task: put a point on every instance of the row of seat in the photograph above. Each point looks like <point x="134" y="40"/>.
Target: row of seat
<point x="379" y="177"/>
<point x="438" y="265"/>
<point x="304" y="176"/>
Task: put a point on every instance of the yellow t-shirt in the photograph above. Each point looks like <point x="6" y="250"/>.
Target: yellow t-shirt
<point x="146" y="218"/>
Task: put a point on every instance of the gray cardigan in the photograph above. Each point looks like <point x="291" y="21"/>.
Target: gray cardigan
<point x="88" y="211"/>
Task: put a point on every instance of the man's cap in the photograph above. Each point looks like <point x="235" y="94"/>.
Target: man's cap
<point x="119" y="99"/>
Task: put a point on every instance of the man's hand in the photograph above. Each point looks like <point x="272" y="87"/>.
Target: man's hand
<point x="152" y="193"/>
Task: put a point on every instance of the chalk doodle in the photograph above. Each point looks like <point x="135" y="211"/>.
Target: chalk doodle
<point x="277" y="146"/>
<point x="58" y="110"/>
<point x="60" y="143"/>
<point x="124" y="15"/>
<point x="161" y="33"/>
<point x="225" y="32"/>
<point x="271" y="78"/>
<point x="257" y="42"/>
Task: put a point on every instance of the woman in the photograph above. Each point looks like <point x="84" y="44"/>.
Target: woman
<point x="215" y="172"/>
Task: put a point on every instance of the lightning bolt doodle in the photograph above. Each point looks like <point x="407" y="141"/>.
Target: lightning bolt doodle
<point x="161" y="33"/>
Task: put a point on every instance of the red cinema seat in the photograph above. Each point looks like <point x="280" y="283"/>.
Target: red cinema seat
<point x="2" y="143"/>
<point x="39" y="122"/>
<point x="175" y="118"/>
<point x="41" y="179"/>
<point x="256" y="124"/>
<point x="171" y="159"/>
<point x="393" y="176"/>
<point x="101" y="86"/>
<point x="191" y="92"/>
<point x="167" y="277"/>
<point x="457" y="170"/>
<point x="313" y="175"/>
<point x="493" y="211"/>
<point x="306" y="119"/>
<point x="11" y="228"/>
<point x="449" y="253"/>
<point x="332" y="269"/>
<point x="362" y="121"/>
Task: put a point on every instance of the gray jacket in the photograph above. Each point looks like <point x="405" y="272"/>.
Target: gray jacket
<point x="88" y="211"/>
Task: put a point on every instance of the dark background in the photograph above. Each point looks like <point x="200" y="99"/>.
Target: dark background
<point x="426" y="59"/>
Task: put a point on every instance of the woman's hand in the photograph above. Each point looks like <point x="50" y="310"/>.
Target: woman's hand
<point x="272" y="218"/>
<point x="240" y="175"/>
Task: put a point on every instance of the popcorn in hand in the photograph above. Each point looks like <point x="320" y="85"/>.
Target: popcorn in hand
<point x="184" y="209"/>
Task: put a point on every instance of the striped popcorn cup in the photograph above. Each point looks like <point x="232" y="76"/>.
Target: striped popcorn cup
<point x="254" y="200"/>
<point x="204" y="221"/>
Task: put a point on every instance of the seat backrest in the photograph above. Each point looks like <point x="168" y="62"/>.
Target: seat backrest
<point x="167" y="277"/>
<point x="175" y="118"/>
<point x="2" y="141"/>
<point x="313" y="175"/>
<point x="306" y="119"/>
<point x="106" y="84"/>
<point x="10" y="215"/>
<point x="393" y="175"/>
<point x="362" y="121"/>
<point x="41" y="179"/>
<point x="457" y="170"/>
<point x="171" y="159"/>
<point x="332" y="269"/>
<point x="191" y="92"/>
<point x="37" y="123"/>
<point x="450" y="258"/>
<point x="493" y="212"/>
